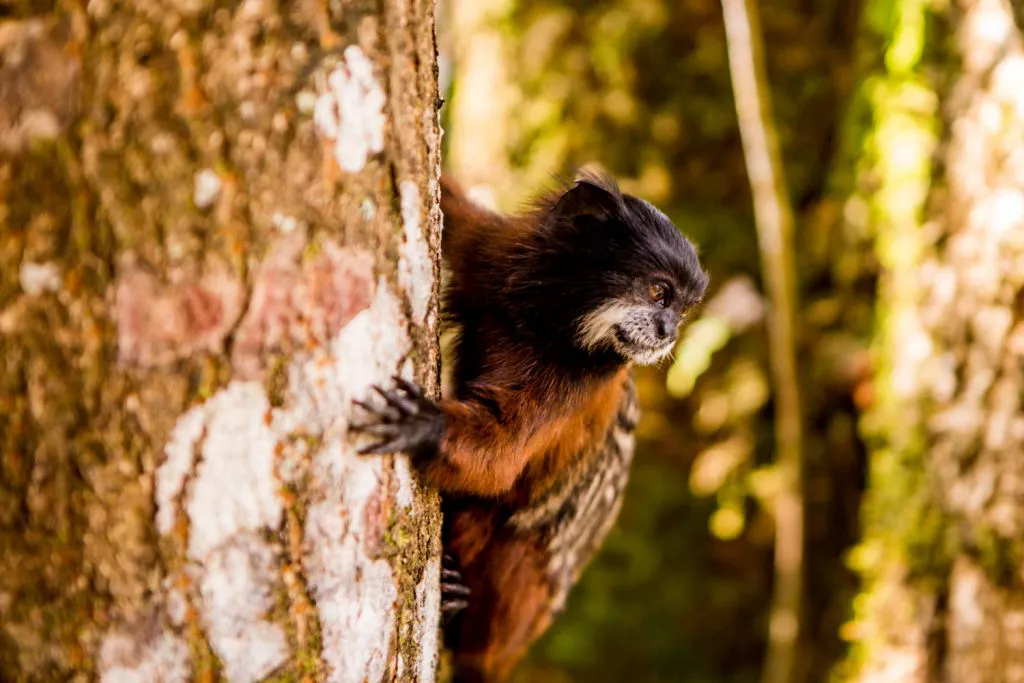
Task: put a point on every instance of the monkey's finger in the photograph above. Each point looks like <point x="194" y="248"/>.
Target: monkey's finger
<point x="403" y="443"/>
<point x="375" y="428"/>
<point x="452" y="606"/>
<point x="455" y="589"/>
<point x="403" y="404"/>
<point x="447" y="573"/>
<point x="408" y="387"/>
<point x="385" y="413"/>
<point x="359" y="426"/>
<point x="365" y="406"/>
<point x="382" y="413"/>
<point x="382" y="447"/>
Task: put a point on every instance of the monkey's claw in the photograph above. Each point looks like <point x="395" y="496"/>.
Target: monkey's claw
<point x="407" y="422"/>
<point x="454" y="592"/>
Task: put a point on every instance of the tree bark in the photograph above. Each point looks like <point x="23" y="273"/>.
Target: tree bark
<point x="219" y="225"/>
<point x="945" y="518"/>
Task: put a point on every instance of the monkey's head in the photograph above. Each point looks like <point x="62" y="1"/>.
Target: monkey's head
<point x="619" y="272"/>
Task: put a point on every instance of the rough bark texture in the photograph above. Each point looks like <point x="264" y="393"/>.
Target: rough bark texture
<point x="218" y="225"/>
<point x="946" y="514"/>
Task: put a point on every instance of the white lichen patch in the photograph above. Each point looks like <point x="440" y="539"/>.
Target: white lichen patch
<point x="235" y="488"/>
<point x="177" y="605"/>
<point x="415" y="268"/>
<point x="367" y="209"/>
<point x="371" y="346"/>
<point x="350" y="111"/>
<point x="132" y="655"/>
<point x="428" y="606"/>
<point x="38" y="278"/>
<point x="231" y="500"/>
<point x="354" y="589"/>
<point x="222" y="467"/>
<point x="179" y="457"/>
<point x="207" y="186"/>
<point x="236" y="592"/>
<point x="354" y="592"/>
<point x="285" y="223"/>
<point x="367" y="350"/>
<point x="404" y="494"/>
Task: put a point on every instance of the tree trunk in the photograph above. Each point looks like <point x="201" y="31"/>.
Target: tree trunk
<point x="219" y="225"/>
<point x="945" y="519"/>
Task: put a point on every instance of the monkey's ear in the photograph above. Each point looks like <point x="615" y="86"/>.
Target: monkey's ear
<point x="595" y="174"/>
<point x="587" y="198"/>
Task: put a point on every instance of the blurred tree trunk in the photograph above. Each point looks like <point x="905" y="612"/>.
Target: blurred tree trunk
<point x="218" y="226"/>
<point x="477" y="151"/>
<point x="943" y="553"/>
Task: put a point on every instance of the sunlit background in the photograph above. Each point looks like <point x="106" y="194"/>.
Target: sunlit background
<point x="682" y="590"/>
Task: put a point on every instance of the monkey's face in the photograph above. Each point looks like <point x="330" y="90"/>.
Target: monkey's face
<point x="641" y="324"/>
<point x="612" y="271"/>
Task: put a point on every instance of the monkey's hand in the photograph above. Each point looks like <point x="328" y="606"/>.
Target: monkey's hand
<point x="408" y="422"/>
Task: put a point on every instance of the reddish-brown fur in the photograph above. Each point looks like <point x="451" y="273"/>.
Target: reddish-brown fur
<point x="538" y="437"/>
<point x="510" y="604"/>
<point x="511" y="432"/>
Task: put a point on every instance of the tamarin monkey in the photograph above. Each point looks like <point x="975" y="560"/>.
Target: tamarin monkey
<point x="532" y="450"/>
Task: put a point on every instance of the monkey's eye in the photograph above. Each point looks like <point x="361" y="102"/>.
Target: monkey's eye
<point x="659" y="294"/>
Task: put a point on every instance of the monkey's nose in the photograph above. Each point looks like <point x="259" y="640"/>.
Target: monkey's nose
<point x="662" y="328"/>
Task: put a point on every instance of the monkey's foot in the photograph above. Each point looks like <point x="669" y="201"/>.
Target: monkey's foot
<point x="454" y="592"/>
<point x="407" y="422"/>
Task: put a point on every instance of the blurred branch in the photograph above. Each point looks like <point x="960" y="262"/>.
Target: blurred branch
<point x="1017" y="8"/>
<point x="774" y="218"/>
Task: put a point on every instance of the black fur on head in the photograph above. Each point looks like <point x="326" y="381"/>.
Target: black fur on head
<point x="605" y="278"/>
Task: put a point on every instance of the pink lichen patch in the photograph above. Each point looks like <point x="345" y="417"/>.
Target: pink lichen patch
<point x="339" y="284"/>
<point x="298" y="305"/>
<point x="267" y="323"/>
<point x="159" y="323"/>
<point x="375" y="520"/>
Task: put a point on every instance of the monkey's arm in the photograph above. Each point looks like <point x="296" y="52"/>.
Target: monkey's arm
<point x="470" y="446"/>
